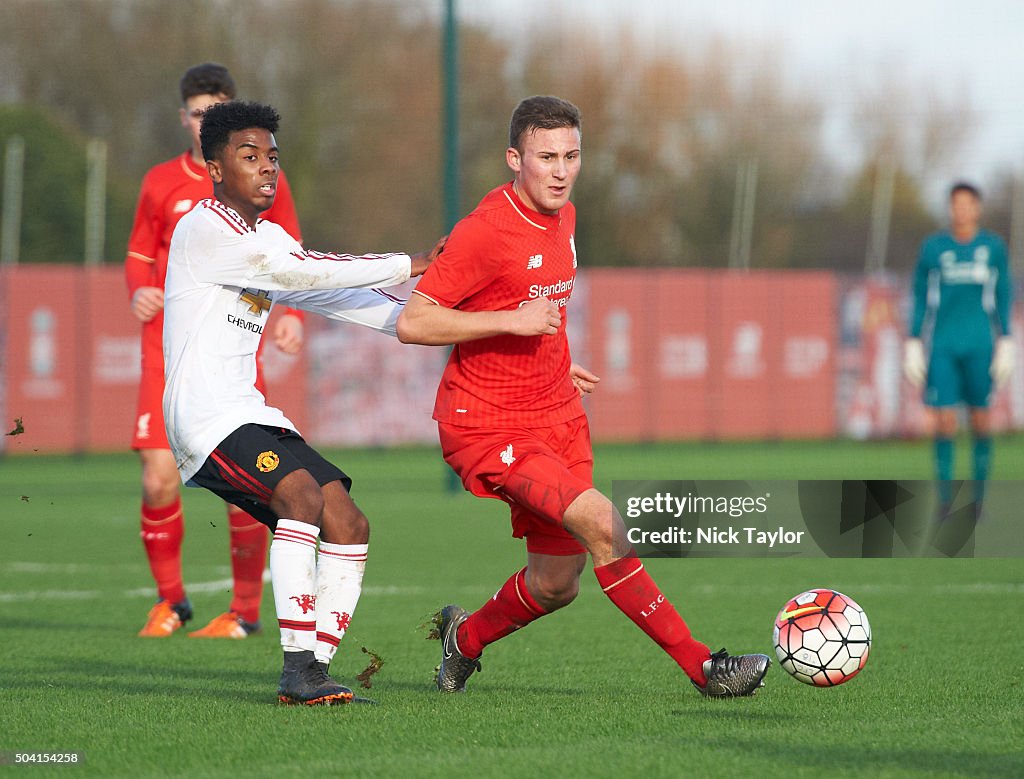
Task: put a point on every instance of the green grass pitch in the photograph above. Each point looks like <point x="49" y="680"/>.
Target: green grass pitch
<point x="580" y="693"/>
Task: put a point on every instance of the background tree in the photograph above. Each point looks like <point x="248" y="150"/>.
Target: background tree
<point x="53" y="197"/>
<point x="666" y="127"/>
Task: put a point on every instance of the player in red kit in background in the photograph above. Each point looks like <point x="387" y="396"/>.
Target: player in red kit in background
<point x="509" y="414"/>
<point x="169" y="190"/>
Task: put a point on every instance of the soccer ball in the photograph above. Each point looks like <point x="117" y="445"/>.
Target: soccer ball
<point x="822" y="638"/>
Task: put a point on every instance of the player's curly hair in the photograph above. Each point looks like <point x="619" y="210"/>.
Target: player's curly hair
<point x="222" y="119"/>
<point x="541" y="112"/>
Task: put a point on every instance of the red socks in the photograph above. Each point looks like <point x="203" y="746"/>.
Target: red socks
<point x="632" y="589"/>
<point x="249" y="542"/>
<point x="628" y="586"/>
<point x="511" y="608"/>
<point x="162" y="530"/>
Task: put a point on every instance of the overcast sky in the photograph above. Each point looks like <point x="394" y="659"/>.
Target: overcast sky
<point x="973" y="48"/>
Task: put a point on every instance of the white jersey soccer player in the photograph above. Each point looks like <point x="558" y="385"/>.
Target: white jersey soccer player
<point x="223" y="278"/>
<point x="226" y="269"/>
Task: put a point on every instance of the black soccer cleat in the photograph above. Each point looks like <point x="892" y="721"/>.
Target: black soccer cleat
<point x="305" y="681"/>
<point x="455" y="667"/>
<point x="732" y="677"/>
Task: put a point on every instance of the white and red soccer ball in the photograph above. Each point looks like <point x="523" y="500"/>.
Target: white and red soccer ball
<point x="822" y="638"/>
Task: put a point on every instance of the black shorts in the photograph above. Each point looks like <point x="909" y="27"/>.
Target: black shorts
<point x="247" y="466"/>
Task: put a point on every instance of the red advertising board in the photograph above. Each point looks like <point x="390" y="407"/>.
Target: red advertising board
<point x="109" y="345"/>
<point x="622" y="351"/>
<point x="712" y="354"/>
<point x="71" y="361"/>
<point x="42" y="313"/>
<point x="744" y="331"/>
<point x="806" y="384"/>
<point x="682" y="353"/>
<point x="680" y="376"/>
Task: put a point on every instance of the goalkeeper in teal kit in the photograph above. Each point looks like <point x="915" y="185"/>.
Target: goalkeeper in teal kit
<point x="961" y="311"/>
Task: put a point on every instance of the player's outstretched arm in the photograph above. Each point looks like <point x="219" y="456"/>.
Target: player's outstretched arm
<point x="425" y="322"/>
<point x="372" y="308"/>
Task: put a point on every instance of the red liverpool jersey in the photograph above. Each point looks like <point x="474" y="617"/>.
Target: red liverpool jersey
<point x="501" y="255"/>
<point x="169" y="190"/>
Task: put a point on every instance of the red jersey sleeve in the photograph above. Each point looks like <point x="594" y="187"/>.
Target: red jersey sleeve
<point x="466" y="266"/>
<point x="137" y="274"/>
<point x="144" y="240"/>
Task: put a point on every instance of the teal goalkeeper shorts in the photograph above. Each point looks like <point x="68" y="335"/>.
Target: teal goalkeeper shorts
<point x="959" y="376"/>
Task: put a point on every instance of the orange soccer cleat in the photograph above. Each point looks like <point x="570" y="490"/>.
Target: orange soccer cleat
<point x="166" y="617"/>
<point x="226" y="625"/>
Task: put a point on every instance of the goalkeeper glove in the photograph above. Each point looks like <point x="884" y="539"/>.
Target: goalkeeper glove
<point x="1003" y="360"/>
<point x="914" y="366"/>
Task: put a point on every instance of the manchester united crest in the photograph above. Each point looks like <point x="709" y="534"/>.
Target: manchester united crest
<point x="267" y="461"/>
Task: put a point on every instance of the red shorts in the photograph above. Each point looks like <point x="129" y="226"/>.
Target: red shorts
<point x="150" y="432"/>
<point x="539" y="472"/>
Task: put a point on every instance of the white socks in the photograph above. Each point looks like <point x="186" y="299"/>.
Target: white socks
<point x="293" y="575"/>
<point x="339" y="581"/>
<point x="315" y="595"/>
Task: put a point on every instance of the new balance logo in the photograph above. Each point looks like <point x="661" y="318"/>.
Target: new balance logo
<point x="506" y="455"/>
<point x="535" y="261"/>
<point x="182" y="206"/>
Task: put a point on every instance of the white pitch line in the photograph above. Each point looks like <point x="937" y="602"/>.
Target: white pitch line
<point x="217" y="585"/>
<point x="17" y="597"/>
<point x="224" y="585"/>
<point x="58" y="568"/>
<point x="389" y="590"/>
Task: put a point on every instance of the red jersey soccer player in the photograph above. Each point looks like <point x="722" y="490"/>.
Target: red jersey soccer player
<point x="169" y="191"/>
<point x="509" y="414"/>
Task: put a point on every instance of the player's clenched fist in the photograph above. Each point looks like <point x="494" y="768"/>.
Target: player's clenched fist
<point x="147" y="302"/>
<point x="537" y="317"/>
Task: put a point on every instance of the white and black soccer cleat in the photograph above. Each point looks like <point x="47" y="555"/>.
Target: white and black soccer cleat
<point x="732" y="677"/>
<point x="455" y="667"/>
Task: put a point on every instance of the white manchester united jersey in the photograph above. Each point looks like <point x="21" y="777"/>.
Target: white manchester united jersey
<point x="223" y="278"/>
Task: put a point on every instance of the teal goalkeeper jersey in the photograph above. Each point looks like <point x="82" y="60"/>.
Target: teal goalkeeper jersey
<point x="962" y="291"/>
